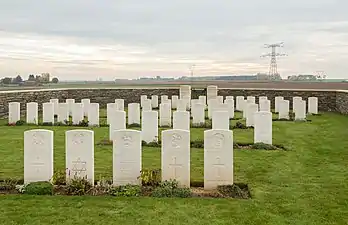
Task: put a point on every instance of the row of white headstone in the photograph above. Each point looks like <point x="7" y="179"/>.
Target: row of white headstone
<point x="127" y="156"/>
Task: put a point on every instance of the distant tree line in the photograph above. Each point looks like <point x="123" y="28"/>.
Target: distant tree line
<point x="44" y="78"/>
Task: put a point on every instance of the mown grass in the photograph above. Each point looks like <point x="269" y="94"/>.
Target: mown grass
<point x="306" y="185"/>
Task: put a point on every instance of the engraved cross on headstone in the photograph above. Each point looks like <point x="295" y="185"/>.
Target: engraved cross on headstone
<point x="37" y="164"/>
<point x="218" y="165"/>
<point x="174" y="165"/>
<point x="79" y="167"/>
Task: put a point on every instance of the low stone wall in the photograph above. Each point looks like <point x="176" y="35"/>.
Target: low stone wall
<point x="329" y="100"/>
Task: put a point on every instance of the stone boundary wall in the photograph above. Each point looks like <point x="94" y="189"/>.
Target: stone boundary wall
<point x="329" y="100"/>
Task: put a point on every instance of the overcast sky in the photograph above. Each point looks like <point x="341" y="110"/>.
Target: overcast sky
<point x="87" y="39"/>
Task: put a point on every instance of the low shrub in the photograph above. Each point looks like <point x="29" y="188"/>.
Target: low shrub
<point x="150" y="177"/>
<point x="200" y="125"/>
<point x="39" y="188"/>
<point x="170" y="189"/>
<point x="59" y="178"/>
<point x="78" y="186"/>
<point x="197" y="144"/>
<point x="20" y="123"/>
<point x="153" y="144"/>
<point x="240" y="191"/>
<point x="83" y="123"/>
<point x="125" y="191"/>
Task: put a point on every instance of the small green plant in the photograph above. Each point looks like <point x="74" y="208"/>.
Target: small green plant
<point x="199" y="125"/>
<point x="171" y="189"/>
<point x="68" y="122"/>
<point x="83" y="123"/>
<point x="78" y="186"/>
<point x="20" y="123"/>
<point x="150" y="177"/>
<point x="21" y="188"/>
<point x="7" y="185"/>
<point x="153" y="144"/>
<point x="125" y="191"/>
<point x="39" y="188"/>
<point x="59" y="178"/>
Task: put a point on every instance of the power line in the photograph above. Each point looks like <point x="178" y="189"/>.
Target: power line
<point x="273" y="68"/>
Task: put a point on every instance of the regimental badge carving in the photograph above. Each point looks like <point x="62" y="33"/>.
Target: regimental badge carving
<point x="79" y="167"/>
<point x="38" y="139"/>
<point x="78" y="138"/>
<point x="176" y="139"/>
<point x="127" y="141"/>
<point x="218" y="141"/>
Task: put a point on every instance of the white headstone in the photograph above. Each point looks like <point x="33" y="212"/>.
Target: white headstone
<point x="70" y="103"/>
<point x="212" y="92"/>
<point x="111" y="108"/>
<point x="147" y="105"/>
<point x="251" y="99"/>
<point x="79" y="146"/>
<point x="313" y="105"/>
<point x="185" y="91"/>
<point x="63" y="112"/>
<point x="218" y="158"/>
<point x="263" y="127"/>
<point x="93" y="114"/>
<point x="164" y="98"/>
<point x="252" y="109"/>
<point x="47" y="112"/>
<point x="38" y="155"/>
<point x="14" y="112"/>
<point x="220" y="99"/>
<point x="142" y="98"/>
<point x="32" y="113"/>
<point x="181" y="120"/>
<point x="221" y="120"/>
<point x="181" y="105"/>
<point x="175" y="99"/>
<point x="198" y="114"/>
<point x="261" y="98"/>
<point x="134" y="113"/>
<point x="77" y="114"/>
<point x="265" y="105"/>
<point x="165" y="115"/>
<point x="230" y="106"/>
<point x="55" y="105"/>
<point x="175" y="162"/>
<point x="149" y="126"/>
<point x="117" y="122"/>
<point x="277" y="101"/>
<point x="85" y="105"/>
<point x="229" y="97"/>
<point x="187" y="100"/>
<point x="120" y="104"/>
<point x="244" y="105"/>
<point x="126" y="157"/>
<point x="295" y="101"/>
<point x="283" y="109"/>
<point x="239" y="102"/>
<point x="212" y="105"/>
<point x="203" y="100"/>
<point x="300" y="110"/>
<point x="154" y="101"/>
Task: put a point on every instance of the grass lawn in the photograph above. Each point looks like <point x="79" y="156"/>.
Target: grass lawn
<point x="306" y="185"/>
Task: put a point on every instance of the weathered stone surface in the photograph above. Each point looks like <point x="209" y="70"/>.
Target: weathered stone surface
<point x="126" y="157"/>
<point x="79" y="147"/>
<point x="263" y="127"/>
<point x="149" y="126"/>
<point x="218" y="158"/>
<point x="38" y="155"/>
<point x="175" y="159"/>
